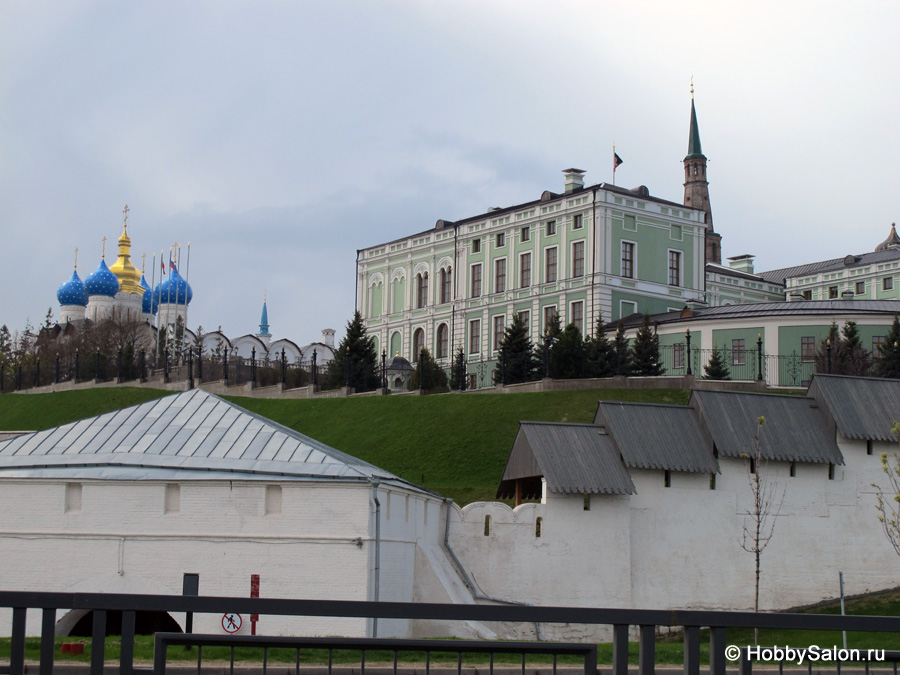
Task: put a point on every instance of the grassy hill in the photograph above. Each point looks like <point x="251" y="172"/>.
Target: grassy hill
<point x="454" y="444"/>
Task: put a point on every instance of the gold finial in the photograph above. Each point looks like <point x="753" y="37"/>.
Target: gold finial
<point x="143" y="262"/>
<point x="76" y="257"/>
<point x="692" y="87"/>
<point x="125" y="212"/>
<point x="104" y="248"/>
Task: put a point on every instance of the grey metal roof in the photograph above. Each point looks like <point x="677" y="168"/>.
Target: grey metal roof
<point x="795" y="429"/>
<point x="653" y="436"/>
<point x="192" y="434"/>
<point x="862" y="407"/>
<point x="573" y="458"/>
<point x="826" y="308"/>
<point x="847" y="262"/>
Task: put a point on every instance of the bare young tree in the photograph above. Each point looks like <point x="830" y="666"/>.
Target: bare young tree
<point x="887" y="502"/>
<point x="759" y="519"/>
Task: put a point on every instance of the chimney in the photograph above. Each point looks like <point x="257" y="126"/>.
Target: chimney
<point x="742" y="263"/>
<point x="328" y="337"/>
<point x="574" y="179"/>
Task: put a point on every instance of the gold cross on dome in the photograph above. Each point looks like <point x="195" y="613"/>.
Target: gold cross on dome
<point x="76" y="257"/>
<point x="143" y="262"/>
<point x="104" y="248"/>
<point x="125" y="211"/>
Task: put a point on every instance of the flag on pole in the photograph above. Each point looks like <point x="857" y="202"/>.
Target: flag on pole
<point x="616" y="161"/>
<point x="172" y="266"/>
<point x="162" y="264"/>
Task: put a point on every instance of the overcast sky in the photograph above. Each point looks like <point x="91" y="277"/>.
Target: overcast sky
<point x="279" y="137"/>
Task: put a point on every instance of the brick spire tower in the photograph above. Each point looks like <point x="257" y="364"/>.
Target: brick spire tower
<point x="696" y="187"/>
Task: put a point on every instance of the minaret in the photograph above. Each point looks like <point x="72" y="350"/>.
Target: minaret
<point x="264" y="333"/>
<point x="696" y="187"/>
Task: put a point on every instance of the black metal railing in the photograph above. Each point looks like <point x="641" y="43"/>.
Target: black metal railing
<point x="588" y="652"/>
<point x="647" y="623"/>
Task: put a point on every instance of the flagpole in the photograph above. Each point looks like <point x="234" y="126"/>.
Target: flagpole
<point x="152" y="289"/>
<point x="179" y="341"/>
<point x="614" y="164"/>
<point x="159" y="317"/>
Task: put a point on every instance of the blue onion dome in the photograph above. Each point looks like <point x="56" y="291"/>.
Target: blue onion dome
<point x="147" y="302"/>
<point x="102" y="282"/>
<point x="72" y="292"/>
<point x="174" y="290"/>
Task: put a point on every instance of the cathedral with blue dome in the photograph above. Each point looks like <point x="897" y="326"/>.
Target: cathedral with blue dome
<point x="121" y="292"/>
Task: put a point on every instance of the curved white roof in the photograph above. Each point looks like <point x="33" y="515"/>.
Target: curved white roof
<point x="191" y="435"/>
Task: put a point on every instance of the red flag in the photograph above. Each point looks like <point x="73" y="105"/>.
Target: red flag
<point x="163" y="266"/>
<point x="172" y="266"/>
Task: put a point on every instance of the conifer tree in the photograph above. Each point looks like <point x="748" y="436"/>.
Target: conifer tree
<point x="830" y="352"/>
<point x="433" y="376"/>
<point x="716" y="368"/>
<point x="568" y="357"/>
<point x="458" y="371"/>
<point x="645" y="351"/>
<point x="887" y="361"/>
<point x="599" y="352"/>
<point x="516" y="355"/>
<point x="621" y="361"/>
<point x="363" y="360"/>
<point x="857" y="360"/>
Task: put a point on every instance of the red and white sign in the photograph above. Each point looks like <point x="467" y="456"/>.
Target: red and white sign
<point x="231" y="622"/>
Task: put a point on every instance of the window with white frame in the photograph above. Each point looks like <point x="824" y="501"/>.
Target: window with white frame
<point x="549" y="313"/>
<point x="476" y="281"/>
<point x="525" y="316"/>
<point x="501" y="239"/>
<point x="674" y="268"/>
<point x="551" y="265"/>
<point x="577" y="221"/>
<point x="421" y="290"/>
<point x="576" y="315"/>
<point x="578" y="259"/>
<point x="446" y="285"/>
<point x="475" y="336"/>
<point x="738" y="353"/>
<point x="443" y="341"/>
<point x="499" y="329"/>
<point x="525" y="270"/>
<point x="476" y="246"/>
<point x="551" y="228"/>
<point x="627" y="269"/>
<point x="526" y="233"/>
<point x="500" y="275"/>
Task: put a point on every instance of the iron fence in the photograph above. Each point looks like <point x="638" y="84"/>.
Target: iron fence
<point x="647" y="622"/>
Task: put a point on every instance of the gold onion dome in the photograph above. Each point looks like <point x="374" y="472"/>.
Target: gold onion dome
<point x="129" y="275"/>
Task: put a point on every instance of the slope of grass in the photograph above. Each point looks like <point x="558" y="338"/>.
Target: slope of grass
<point x="454" y="444"/>
<point x="34" y="412"/>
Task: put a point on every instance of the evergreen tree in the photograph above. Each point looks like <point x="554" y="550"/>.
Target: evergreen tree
<point x="434" y="377"/>
<point x="516" y="356"/>
<point x="887" y="361"/>
<point x="857" y="360"/>
<point x="645" y="350"/>
<point x="542" y="351"/>
<point x="358" y="350"/>
<point x="599" y="353"/>
<point x="830" y="352"/>
<point x="458" y="372"/>
<point x="621" y="354"/>
<point x="716" y="368"/>
<point x="568" y="356"/>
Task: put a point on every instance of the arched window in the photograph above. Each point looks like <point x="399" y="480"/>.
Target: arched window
<point x="421" y="290"/>
<point x="443" y="341"/>
<point x="418" y="344"/>
<point x="445" y="285"/>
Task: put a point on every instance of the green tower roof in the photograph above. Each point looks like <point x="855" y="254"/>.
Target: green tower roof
<point x="694" y="149"/>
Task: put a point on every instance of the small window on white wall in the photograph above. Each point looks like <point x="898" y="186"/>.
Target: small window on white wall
<point x="273" y="499"/>
<point x="73" y="497"/>
<point x="627" y="308"/>
<point x="173" y="498"/>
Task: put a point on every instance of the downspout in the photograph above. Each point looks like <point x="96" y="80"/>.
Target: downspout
<point x="476" y="591"/>
<point x="377" y="569"/>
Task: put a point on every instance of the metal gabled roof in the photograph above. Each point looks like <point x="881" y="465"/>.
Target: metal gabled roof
<point x="864" y="408"/>
<point x="572" y="458"/>
<point x="654" y="436"/>
<point x="193" y="434"/>
<point x="795" y="429"/>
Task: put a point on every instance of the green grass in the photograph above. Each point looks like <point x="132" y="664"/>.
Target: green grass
<point x="454" y="444"/>
<point x="34" y="412"/>
<point x="668" y="649"/>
